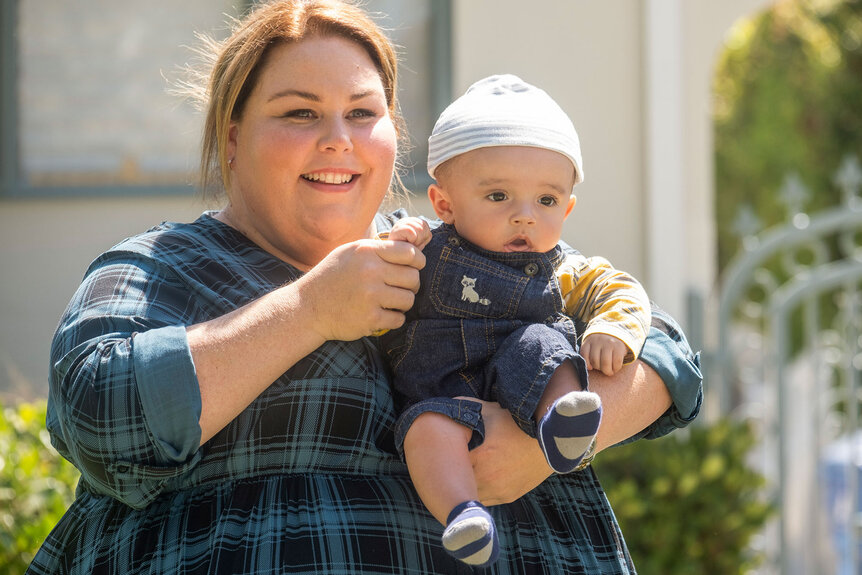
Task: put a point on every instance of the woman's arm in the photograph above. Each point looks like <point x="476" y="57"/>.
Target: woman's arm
<point x="509" y="463"/>
<point x="660" y="392"/>
<point x="134" y="393"/>
<point x="240" y="354"/>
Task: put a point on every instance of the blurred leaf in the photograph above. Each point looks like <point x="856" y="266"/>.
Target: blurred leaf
<point x="36" y="485"/>
<point x="787" y="99"/>
<point x="688" y="503"/>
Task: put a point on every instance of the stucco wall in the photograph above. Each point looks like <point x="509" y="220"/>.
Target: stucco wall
<point x="594" y="59"/>
<point x="45" y="247"/>
<point x="586" y="55"/>
<point x="705" y="26"/>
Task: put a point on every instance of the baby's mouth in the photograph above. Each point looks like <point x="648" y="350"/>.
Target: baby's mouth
<point x="518" y="245"/>
<point x="328" y="177"/>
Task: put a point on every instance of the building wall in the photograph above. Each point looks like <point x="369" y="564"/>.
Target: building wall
<point x="94" y="84"/>
<point x="590" y="56"/>
<point x="586" y="55"/>
<point x="603" y="62"/>
<point x="705" y="26"/>
<point x="45" y="247"/>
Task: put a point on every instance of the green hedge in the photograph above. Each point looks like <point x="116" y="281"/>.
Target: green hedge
<point x="688" y="503"/>
<point x="36" y="485"/>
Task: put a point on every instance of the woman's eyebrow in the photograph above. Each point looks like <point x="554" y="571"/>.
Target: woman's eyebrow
<point x="292" y="92"/>
<point x="361" y="95"/>
<point x="314" y="97"/>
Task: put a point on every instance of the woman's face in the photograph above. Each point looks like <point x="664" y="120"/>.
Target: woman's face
<point x="314" y="151"/>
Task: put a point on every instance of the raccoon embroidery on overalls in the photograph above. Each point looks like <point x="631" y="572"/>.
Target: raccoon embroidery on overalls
<point x="469" y="293"/>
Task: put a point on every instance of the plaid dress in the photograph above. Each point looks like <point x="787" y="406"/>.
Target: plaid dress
<point x="304" y="480"/>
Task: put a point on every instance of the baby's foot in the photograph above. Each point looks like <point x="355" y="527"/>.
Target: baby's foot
<point x="567" y="430"/>
<point x="471" y="535"/>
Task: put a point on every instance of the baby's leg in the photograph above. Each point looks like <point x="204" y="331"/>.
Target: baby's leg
<point x="568" y="419"/>
<point x="438" y="459"/>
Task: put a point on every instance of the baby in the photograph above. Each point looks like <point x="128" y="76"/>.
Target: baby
<point x="493" y="318"/>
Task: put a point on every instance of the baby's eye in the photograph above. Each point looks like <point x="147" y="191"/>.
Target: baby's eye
<point x="496" y="196"/>
<point x="548" y="201"/>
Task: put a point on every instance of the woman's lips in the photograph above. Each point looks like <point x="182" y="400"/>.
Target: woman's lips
<point x="329" y="177"/>
<point x="331" y="181"/>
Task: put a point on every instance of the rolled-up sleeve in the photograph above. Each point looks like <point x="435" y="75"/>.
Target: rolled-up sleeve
<point x="168" y="390"/>
<point x="667" y="351"/>
<point x="124" y="400"/>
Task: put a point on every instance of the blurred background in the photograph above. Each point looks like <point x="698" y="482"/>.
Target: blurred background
<point x="721" y="145"/>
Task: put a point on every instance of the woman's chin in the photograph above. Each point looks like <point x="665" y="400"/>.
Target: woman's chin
<point x="339" y="227"/>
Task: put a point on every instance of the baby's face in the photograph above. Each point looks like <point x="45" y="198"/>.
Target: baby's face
<point x="507" y="198"/>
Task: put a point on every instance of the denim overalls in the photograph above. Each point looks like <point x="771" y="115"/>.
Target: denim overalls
<point x="484" y="324"/>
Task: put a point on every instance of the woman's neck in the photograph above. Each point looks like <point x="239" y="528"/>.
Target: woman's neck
<point x="303" y="255"/>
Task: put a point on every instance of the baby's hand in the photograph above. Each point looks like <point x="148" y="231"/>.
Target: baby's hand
<point x="412" y="230"/>
<point x="603" y="352"/>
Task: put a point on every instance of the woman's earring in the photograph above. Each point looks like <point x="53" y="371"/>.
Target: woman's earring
<point x="230" y="163"/>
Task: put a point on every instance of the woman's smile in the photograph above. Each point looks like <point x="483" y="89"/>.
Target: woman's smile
<point x="336" y="178"/>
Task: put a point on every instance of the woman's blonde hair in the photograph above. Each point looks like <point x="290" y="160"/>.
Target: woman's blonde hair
<point x="236" y="62"/>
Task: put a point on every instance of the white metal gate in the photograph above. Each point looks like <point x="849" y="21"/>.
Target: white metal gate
<point x="789" y="357"/>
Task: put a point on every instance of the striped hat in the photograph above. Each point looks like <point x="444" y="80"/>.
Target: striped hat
<point x="503" y="111"/>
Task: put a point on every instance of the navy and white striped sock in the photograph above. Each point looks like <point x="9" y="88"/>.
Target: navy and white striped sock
<point x="567" y="430"/>
<point x="471" y="535"/>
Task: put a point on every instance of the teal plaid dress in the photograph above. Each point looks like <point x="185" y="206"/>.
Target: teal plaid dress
<point x="304" y="480"/>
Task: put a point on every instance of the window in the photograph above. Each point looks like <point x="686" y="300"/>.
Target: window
<point x="421" y="31"/>
<point x="85" y="106"/>
<point x="90" y="95"/>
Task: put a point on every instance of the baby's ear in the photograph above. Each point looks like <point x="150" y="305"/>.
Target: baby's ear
<point x="573" y="199"/>
<point x="441" y="204"/>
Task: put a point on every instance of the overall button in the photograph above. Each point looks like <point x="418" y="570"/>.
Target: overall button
<point x="531" y="269"/>
<point x="453" y="241"/>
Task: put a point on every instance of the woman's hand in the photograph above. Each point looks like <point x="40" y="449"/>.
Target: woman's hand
<point x="509" y="463"/>
<point x="358" y="288"/>
<point x="362" y="287"/>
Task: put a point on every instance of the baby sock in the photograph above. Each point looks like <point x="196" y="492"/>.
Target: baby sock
<point x="471" y="535"/>
<point x="567" y="430"/>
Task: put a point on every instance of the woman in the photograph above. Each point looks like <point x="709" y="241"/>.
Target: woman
<point x="213" y="382"/>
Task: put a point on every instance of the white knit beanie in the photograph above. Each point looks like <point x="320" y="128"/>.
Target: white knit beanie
<point x="503" y="111"/>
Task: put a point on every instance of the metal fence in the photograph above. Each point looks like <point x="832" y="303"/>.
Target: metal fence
<point x="788" y="357"/>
